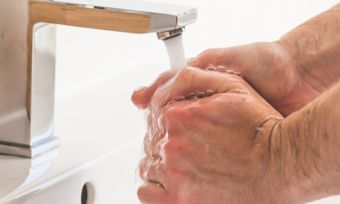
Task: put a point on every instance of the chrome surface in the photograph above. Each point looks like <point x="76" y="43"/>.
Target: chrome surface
<point x="27" y="62"/>
<point x="169" y="34"/>
<point x="19" y="172"/>
<point x="105" y="154"/>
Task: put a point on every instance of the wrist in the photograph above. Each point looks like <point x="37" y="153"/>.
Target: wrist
<point x="289" y="164"/>
<point x="274" y="163"/>
<point x="316" y="60"/>
<point x="303" y="151"/>
<point x="315" y="47"/>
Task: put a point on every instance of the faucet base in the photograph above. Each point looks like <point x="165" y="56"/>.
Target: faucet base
<point x="29" y="152"/>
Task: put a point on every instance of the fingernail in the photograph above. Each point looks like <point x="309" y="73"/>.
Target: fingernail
<point x="191" y="61"/>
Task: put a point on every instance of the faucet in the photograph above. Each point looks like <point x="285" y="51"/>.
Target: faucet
<point x="27" y="57"/>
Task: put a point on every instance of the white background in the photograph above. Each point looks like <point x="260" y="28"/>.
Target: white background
<point x="89" y="57"/>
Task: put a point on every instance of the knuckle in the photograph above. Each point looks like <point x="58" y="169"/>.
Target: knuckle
<point x="172" y="147"/>
<point x="169" y="148"/>
<point x="175" y="118"/>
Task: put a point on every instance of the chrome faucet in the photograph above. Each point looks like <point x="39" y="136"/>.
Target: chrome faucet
<point x="27" y="57"/>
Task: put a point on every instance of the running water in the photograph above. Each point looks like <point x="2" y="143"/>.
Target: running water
<point x="176" y="53"/>
<point x="155" y="130"/>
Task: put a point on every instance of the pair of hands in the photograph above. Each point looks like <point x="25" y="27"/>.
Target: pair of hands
<point x="217" y="149"/>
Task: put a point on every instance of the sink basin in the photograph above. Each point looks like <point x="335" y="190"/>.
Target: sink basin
<point x="60" y="186"/>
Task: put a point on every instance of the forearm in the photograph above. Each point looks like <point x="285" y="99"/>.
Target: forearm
<point x="305" y="147"/>
<point x="315" y="46"/>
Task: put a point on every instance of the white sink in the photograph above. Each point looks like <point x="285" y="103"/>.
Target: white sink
<point x="100" y="133"/>
<point x="109" y="179"/>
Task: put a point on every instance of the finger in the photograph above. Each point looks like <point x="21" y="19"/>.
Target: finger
<point x="190" y="80"/>
<point x="151" y="169"/>
<point x="152" y="193"/>
<point x="215" y="56"/>
<point x="142" y="97"/>
<point x="233" y="58"/>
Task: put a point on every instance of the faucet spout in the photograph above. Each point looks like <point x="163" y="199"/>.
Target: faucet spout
<point x="27" y="57"/>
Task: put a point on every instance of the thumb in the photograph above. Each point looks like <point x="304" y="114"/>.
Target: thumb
<point x="142" y="97"/>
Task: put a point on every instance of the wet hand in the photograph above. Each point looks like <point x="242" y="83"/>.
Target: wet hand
<point x="208" y="142"/>
<point x="268" y="67"/>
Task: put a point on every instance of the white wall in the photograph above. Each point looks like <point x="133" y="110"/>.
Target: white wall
<point x="88" y="57"/>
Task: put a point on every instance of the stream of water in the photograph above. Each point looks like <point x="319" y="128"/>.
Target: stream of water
<point x="176" y="52"/>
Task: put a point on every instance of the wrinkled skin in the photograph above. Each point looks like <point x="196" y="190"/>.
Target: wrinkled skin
<point x="270" y="69"/>
<point x="212" y="149"/>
